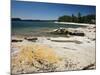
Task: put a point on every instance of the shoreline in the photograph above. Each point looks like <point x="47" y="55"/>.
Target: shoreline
<point x="83" y="24"/>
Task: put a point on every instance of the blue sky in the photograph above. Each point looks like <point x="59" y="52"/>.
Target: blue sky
<point x="47" y="11"/>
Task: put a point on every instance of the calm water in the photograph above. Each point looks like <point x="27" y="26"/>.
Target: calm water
<point x="26" y="28"/>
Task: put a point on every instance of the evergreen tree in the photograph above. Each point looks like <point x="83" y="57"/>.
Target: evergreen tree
<point x="79" y="17"/>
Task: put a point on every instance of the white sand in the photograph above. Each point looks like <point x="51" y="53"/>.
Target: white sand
<point x="84" y="24"/>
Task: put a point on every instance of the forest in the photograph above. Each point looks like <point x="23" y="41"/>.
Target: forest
<point x="90" y="19"/>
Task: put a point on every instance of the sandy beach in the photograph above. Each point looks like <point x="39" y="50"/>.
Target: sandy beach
<point x="49" y="54"/>
<point x="82" y="24"/>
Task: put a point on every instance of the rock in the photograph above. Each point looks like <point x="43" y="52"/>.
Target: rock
<point x="32" y="39"/>
<point x="93" y="39"/>
<point x="89" y="67"/>
<point x="76" y="32"/>
<point x="60" y="31"/>
<point x="68" y="32"/>
<point x="16" y="40"/>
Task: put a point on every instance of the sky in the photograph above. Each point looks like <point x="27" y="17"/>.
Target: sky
<point x="47" y="11"/>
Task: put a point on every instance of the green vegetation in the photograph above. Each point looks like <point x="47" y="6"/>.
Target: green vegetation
<point x="35" y="20"/>
<point x="78" y="19"/>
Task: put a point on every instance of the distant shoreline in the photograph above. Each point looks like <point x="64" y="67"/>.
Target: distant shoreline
<point x="83" y="24"/>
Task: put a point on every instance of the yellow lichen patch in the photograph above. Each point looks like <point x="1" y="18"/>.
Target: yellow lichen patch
<point x="47" y="54"/>
<point x="37" y="52"/>
<point x="34" y="56"/>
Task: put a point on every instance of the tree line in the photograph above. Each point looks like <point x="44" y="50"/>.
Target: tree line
<point x="78" y="19"/>
<point x="19" y="19"/>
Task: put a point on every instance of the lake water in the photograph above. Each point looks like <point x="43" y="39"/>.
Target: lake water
<point x="29" y="28"/>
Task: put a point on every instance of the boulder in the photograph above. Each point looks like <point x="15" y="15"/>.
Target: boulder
<point x="60" y="31"/>
<point x="69" y="31"/>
